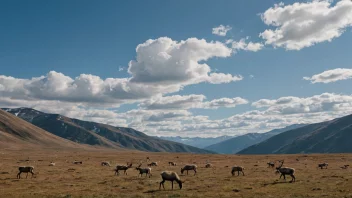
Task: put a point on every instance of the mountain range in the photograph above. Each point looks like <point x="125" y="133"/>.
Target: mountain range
<point x="238" y="143"/>
<point x="332" y="136"/>
<point x="98" y="134"/>
<point x="198" y="142"/>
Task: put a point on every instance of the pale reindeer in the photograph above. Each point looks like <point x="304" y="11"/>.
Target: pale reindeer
<point x="271" y="164"/>
<point x="170" y="176"/>
<point x="286" y="171"/>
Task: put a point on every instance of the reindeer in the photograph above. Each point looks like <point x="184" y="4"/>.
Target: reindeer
<point x="172" y="164"/>
<point x="122" y="167"/>
<point x="147" y="171"/>
<point x="323" y="165"/>
<point x="345" y="166"/>
<point x="286" y="171"/>
<point x="25" y="169"/>
<point x="271" y="164"/>
<point x="153" y="164"/>
<point x="189" y="167"/>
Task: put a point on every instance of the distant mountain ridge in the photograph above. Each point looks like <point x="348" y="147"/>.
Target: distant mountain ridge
<point x="99" y="134"/>
<point x="198" y="142"/>
<point x="238" y="143"/>
<point x="332" y="136"/>
<point x="16" y="133"/>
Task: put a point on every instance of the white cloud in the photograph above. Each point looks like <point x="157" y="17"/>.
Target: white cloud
<point x="221" y="30"/>
<point x="318" y="103"/>
<point x="304" y="24"/>
<point x="190" y="102"/>
<point x="331" y="76"/>
<point x="162" y="66"/>
<point x="177" y="63"/>
<point x="224" y="102"/>
<point x="243" y="45"/>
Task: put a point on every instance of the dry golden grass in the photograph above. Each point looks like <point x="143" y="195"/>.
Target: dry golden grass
<point x="93" y="180"/>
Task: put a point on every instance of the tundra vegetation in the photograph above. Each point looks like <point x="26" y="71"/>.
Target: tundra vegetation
<point x="90" y="179"/>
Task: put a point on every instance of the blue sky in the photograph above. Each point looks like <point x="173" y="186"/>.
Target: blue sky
<point x="97" y="38"/>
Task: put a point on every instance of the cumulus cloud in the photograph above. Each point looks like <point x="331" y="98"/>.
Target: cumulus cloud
<point x="318" y="103"/>
<point x="170" y="62"/>
<point x="162" y="66"/>
<point x="331" y="76"/>
<point x="221" y="30"/>
<point x="304" y="24"/>
<point x="190" y="102"/>
<point x="244" y="45"/>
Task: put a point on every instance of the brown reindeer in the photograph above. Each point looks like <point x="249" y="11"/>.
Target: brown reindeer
<point x="25" y="169"/>
<point x="286" y="171"/>
<point x="122" y="167"/>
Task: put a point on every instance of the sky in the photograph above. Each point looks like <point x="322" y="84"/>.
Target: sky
<point x="179" y="68"/>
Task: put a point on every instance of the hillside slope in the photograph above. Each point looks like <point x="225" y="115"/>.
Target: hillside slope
<point x="326" y="137"/>
<point x="99" y="134"/>
<point x="18" y="134"/>
<point x="238" y="143"/>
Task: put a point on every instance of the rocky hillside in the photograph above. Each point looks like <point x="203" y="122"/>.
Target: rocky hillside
<point x="238" y="143"/>
<point x="326" y="137"/>
<point x="99" y="134"/>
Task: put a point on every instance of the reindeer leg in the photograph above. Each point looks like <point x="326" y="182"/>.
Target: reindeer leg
<point x="160" y="184"/>
<point x="293" y="178"/>
<point x="238" y="173"/>
<point x="242" y="173"/>
<point x="19" y="175"/>
<point x="195" y="172"/>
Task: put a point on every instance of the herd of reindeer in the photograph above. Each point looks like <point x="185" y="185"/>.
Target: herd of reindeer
<point x="173" y="176"/>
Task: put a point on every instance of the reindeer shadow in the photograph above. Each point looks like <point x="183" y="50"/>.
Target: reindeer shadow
<point x="276" y="183"/>
<point x="151" y="191"/>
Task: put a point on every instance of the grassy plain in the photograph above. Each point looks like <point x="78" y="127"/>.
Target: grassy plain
<point x="93" y="180"/>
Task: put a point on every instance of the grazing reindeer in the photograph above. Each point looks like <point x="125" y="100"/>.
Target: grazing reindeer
<point x="321" y="166"/>
<point x="25" y="169"/>
<point x="189" y="167"/>
<point x="238" y="169"/>
<point x="147" y="171"/>
<point x="172" y="164"/>
<point x="170" y="176"/>
<point x="153" y="164"/>
<point x="271" y="164"/>
<point x="122" y="167"/>
<point x="208" y="165"/>
<point x="105" y="164"/>
<point x="286" y="171"/>
<point x="345" y="166"/>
